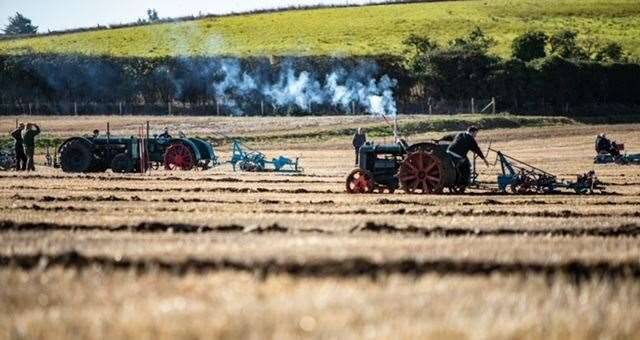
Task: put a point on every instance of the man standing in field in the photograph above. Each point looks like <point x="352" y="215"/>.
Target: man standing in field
<point x="29" y="139"/>
<point x="462" y="143"/>
<point x="21" y="158"/>
<point x="358" y="140"/>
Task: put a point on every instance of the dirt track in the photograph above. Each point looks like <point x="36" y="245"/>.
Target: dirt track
<point x="179" y="235"/>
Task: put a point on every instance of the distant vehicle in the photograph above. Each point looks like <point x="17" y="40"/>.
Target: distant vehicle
<point x="623" y="158"/>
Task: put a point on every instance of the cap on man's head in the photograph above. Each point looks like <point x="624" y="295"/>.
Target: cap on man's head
<point x="472" y="129"/>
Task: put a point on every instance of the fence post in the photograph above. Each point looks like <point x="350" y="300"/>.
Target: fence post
<point x="262" y="107"/>
<point x="75" y="108"/>
<point x="473" y="105"/>
<point x="217" y="107"/>
<point x="353" y="108"/>
<point x="169" y="107"/>
<point x="30" y="109"/>
<point x="493" y="109"/>
<point x="120" y="107"/>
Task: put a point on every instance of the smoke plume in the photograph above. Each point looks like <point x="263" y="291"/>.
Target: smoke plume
<point x="357" y="88"/>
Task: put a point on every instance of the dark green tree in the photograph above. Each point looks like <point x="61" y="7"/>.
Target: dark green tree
<point x="610" y="52"/>
<point x="529" y="46"/>
<point x="476" y="41"/>
<point x="19" y="24"/>
<point x="565" y="44"/>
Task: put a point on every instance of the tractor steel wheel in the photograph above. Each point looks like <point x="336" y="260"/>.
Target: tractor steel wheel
<point x="179" y="156"/>
<point x="360" y="182"/>
<point x="76" y="156"/>
<point x="122" y="163"/>
<point x="423" y="172"/>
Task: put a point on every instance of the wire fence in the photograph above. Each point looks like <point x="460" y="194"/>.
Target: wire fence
<point x="426" y="106"/>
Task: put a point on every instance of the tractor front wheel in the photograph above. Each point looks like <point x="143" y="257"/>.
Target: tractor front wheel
<point x="179" y="157"/>
<point x="360" y="182"/>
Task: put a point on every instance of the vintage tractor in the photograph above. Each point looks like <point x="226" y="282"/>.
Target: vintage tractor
<point x="427" y="168"/>
<point x="134" y="154"/>
<point x="622" y="159"/>
<point x="424" y="168"/>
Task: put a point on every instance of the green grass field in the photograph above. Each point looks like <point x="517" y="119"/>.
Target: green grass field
<point x="366" y="30"/>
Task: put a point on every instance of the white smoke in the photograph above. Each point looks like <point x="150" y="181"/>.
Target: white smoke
<point x="357" y="88"/>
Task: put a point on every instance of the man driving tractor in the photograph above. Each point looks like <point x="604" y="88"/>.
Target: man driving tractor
<point x="605" y="146"/>
<point x="462" y="143"/>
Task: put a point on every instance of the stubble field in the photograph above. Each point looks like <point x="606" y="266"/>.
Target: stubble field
<point x="215" y="253"/>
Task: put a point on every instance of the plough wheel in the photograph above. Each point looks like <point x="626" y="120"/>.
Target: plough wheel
<point x="179" y="157"/>
<point x="525" y="186"/>
<point x="360" y="182"/>
<point x="425" y="173"/>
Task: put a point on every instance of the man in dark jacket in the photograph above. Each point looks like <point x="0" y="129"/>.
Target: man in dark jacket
<point x="358" y="140"/>
<point x="21" y="158"/>
<point x="29" y="140"/>
<point x="460" y="147"/>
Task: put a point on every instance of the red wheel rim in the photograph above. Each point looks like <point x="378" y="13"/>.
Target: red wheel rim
<point x="359" y="182"/>
<point x="420" y="172"/>
<point x="178" y="156"/>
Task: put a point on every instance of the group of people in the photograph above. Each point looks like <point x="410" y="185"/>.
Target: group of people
<point x="25" y="145"/>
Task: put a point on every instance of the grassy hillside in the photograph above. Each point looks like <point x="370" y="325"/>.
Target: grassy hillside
<point x="352" y="31"/>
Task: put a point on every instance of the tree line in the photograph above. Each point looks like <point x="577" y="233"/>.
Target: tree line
<point x="546" y="74"/>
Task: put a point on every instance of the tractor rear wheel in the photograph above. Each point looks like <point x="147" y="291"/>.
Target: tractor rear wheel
<point x="360" y="182"/>
<point x="179" y="157"/>
<point x="76" y="156"/>
<point x="426" y="173"/>
<point x="122" y="163"/>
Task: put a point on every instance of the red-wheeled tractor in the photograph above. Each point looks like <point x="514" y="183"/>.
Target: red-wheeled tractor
<point x="424" y="168"/>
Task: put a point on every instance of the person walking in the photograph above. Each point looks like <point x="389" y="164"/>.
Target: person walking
<point x="358" y="140"/>
<point x="28" y="139"/>
<point x="21" y="157"/>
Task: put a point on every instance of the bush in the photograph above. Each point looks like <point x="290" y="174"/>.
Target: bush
<point x="565" y="44"/>
<point x="529" y="46"/>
